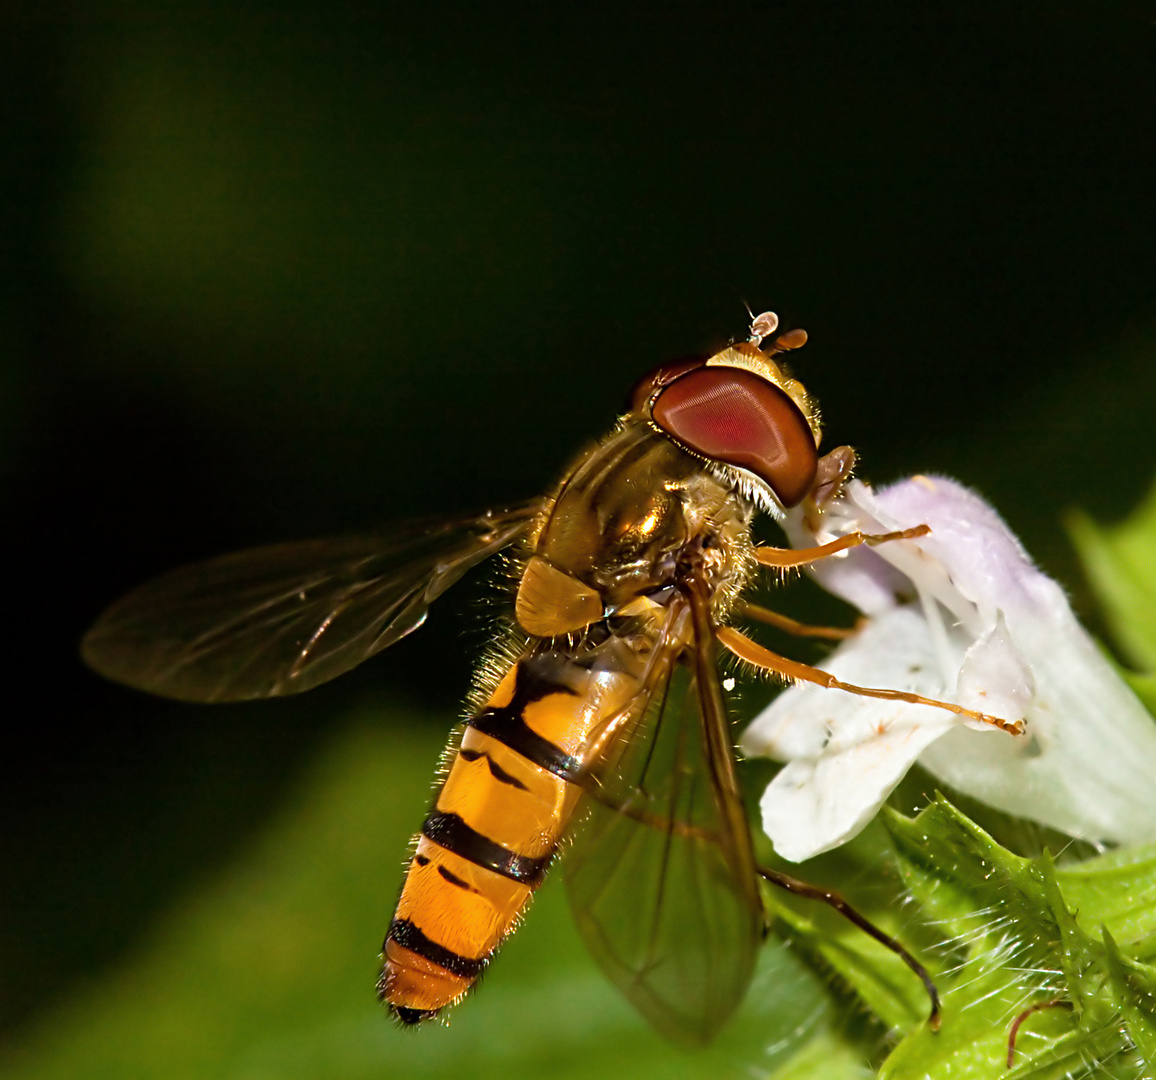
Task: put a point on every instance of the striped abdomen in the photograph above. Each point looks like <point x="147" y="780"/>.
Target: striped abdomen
<point x="489" y="838"/>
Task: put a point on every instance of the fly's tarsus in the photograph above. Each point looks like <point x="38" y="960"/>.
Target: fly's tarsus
<point x="834" y="900"/>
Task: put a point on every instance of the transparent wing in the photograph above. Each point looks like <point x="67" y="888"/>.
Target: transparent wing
<point x="661" y="874"/>
<point x="282" y="619"/>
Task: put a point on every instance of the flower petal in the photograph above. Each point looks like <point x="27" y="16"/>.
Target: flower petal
<point x="847" y="752"/>
<point x="994" y="679"/>
<point x="988" y="631"/>
<point x="1087" y="764"/>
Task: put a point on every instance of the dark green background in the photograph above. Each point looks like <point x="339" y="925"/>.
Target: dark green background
<point x="316" y="267"/>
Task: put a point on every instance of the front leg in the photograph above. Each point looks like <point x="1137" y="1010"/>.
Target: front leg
<point x="790" y="558"/>
<point x="753" y="653"/>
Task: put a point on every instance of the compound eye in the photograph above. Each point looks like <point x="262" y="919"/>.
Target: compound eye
<point x="736" y="417"/>
<point x="643" y="391"/>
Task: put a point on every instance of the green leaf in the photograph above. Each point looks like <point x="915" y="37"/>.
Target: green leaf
<point x="1134" y="994"/>
<point x="1116" y="890"/>
<point x="1144" y="687"/>
<point x="878" y="981"/>
<point x="825" y="1056"/>
<point x="1120" y="562"/>
<point x="1026" y="940"/>
<point x="269" y="970"/>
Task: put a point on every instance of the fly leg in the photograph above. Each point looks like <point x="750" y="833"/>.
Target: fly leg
<point x="834" y="900"/>
<point x="790" y="558"/>
<point x="752" y="652"/>
<point x="793" y="626"/>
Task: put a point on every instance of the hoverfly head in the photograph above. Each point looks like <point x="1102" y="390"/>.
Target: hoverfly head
<point x="742" y="413"/>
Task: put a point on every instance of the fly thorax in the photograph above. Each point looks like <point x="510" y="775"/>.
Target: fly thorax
<point x="637" y="557"/>
<point x="624" y="544"/>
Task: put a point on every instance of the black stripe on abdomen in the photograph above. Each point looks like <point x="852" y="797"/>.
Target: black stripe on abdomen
<point x="533" y="681"/>
<point x="450" y="832"/>
<point x="453" y="879"/>
<point x="408" y="936"/>
<point x="496" y="770"/>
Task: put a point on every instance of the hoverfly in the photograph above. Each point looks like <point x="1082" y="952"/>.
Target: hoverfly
<point x="599" y="721"/>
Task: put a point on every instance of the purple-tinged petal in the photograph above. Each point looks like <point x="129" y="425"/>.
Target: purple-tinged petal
<point x="846" y="753"/>
<point x="987" y="630"/>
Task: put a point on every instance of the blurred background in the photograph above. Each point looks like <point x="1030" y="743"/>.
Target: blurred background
<point x="301" y="269"/>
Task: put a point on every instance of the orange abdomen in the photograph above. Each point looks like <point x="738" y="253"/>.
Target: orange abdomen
<point x="493" y="829"/>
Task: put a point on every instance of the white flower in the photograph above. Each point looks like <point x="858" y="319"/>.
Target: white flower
<point x="959" y="615"/>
